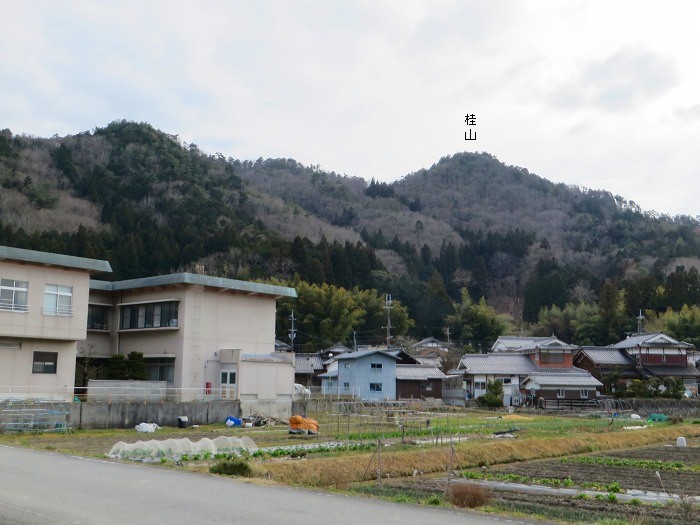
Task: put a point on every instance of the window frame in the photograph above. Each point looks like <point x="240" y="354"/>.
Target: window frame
<point x="16" y="288"/>
<point x="53" y="299"/>
<point x="152" y="315"/>
<point x="44" y="362"/>
<point x="97" y="312"/>
<point x="561" y="393"/>
<point x="375" y="387"/>
<point x="581" y="393"/>
<point x="375" y="367"/>
<point x="160" y="369"/>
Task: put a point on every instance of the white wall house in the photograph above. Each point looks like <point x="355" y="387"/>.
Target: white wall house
<point x="203" y="335"/>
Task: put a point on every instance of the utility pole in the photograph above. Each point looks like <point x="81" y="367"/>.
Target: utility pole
<point x="447" y="330"/>
<point x="639" y="321"/>
<point x="387" y="305"/>
<point x="354" y="340"/>
<point x="292" y="331"/>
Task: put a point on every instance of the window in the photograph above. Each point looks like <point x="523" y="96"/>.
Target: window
<point x="375" y="387"/>
<point x="505" y="381"/>
<point x="149" y="315"/>
<point x="228" y="377"/>
<point x="375" y="367"/>
<point x="13" y="295"/>
<point x="479" y="385"/>
<point x="347" y="365"/>
<point x="58" y="300"/>
<point x="584" y="394"/>
<point x="346" y="385"/>
<point x="97" y="317"/>
<point x="561" y="392"/>
<point x="45" y="362"/>
<point x="160" y="369"/>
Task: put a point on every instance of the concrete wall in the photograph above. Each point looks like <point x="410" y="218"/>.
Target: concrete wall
<point x="128" y="415"/>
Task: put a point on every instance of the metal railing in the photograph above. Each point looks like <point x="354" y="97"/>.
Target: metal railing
<point x="335" y="392"/>
<point x="106" y="394"/>
<point x="6" y="306"/>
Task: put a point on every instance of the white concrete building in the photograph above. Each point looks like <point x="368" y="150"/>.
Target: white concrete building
<point x="43" y="315"/>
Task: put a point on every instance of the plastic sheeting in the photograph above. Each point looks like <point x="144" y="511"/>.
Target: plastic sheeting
<point x="175" y="448"/>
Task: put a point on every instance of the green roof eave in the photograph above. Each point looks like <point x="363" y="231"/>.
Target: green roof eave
<point x="54" y="259"/>
<point x="196" y="279"/>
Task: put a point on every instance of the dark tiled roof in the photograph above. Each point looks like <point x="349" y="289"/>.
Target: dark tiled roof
<point x="307" y="363"/>
<point x="655" y="339"/>
<point x="418" y="372"/>
<point x="497" y="363"/>
<point x="608" y="356"/>
<point x="578" y="380"/>
<point x="673" y="371"/>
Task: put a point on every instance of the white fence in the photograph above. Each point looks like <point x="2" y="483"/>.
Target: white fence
<point x="109" y="394"/>
<point x="335" y="392"/>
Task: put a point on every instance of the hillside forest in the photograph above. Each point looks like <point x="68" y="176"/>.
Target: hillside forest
<point x="468" y="249"/>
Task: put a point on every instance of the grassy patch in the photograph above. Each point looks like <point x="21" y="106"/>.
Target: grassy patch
<point x="469" y="495"/>
<point x="232" y="467"/>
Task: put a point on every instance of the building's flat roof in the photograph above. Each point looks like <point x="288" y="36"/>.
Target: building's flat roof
<point x="197" y="279"/>
<point x="53" y="259"/>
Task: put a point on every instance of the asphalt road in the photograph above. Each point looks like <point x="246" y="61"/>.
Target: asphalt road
<point x="42" y="487"/>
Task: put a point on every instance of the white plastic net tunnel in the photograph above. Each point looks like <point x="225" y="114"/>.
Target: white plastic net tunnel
<point x="175" y="448"/>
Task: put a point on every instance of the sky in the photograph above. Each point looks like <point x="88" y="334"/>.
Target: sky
<point x="598" y="94"/>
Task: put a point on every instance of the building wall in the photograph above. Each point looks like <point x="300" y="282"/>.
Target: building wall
<point x="545" y="359"/>
<point x="24" y="333"/>
<point x="359" y="374"/>
<point x="208" y="321"/>
<point x="34" y="323"/>
<point x="417" y="389"/>
<point x="17" y="379"/>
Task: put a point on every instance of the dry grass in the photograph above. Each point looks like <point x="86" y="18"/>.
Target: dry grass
<point x="340" y="472"/>
<point x="469" y="495"/>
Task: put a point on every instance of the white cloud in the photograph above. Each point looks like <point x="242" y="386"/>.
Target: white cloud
<point x="588" y="93"/>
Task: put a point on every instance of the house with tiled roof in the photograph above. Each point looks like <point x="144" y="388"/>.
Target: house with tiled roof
<point x="365" y="374"/>
<point x="308" y="367"/>
<point x="643" y="356"/>
<point x="564" y="388"/>
<point x="605" y="362"/>
<point x="513" y="369"/>
<point x="544" y="351"/>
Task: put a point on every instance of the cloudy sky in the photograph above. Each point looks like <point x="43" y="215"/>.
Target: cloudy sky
<point x="601" y="94"/>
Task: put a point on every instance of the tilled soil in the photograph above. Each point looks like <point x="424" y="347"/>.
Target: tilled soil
<point x="628" y="477"/>
<point x="690" y="456"/>
<point x="683" y="481"/>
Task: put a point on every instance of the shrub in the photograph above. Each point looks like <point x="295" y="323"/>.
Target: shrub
<point x="614" y="487"/>
<point x="469" y="495"/>
<point x="232" y="467"/>
<point x="493" y="398"/>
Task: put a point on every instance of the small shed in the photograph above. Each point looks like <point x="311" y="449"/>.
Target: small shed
<point x="418" y="382"/>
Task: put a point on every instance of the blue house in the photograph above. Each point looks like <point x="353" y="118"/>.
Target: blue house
<point x="366" y="374"/>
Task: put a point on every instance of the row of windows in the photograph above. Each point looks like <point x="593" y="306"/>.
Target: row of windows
<point x="58" y="299"/>
<point x="151" y="315"/>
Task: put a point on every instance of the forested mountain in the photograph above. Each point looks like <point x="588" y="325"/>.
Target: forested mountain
<point x="150" y="205"/>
